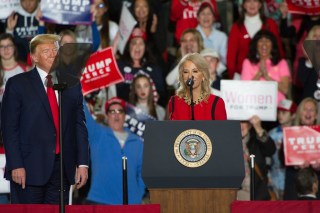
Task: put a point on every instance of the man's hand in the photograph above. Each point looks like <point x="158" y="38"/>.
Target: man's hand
<point x="19" y="176"/>
<point x="81" y="176"/>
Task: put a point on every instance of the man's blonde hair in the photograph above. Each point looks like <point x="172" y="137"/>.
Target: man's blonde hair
<point x="42" y="39"/>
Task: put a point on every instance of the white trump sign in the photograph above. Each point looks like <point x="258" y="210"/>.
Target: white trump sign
<point x="243" y="99"/>
<point x="7" y="7"/>
<point x="126" y="25"/>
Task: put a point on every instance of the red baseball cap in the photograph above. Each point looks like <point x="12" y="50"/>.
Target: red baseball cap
<point x="287" y="105"/>
<point x="114" y="100"/>
<point x="138" y="33"/>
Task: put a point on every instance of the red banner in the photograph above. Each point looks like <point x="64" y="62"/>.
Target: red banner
<point x="301" y="143"/>
<point x="101" y="71"/>
<point x="310" y="7"/>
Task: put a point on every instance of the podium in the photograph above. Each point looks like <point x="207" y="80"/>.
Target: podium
<point x="193" y="166"/>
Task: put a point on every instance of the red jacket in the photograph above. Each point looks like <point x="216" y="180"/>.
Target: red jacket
<point x="202" y="110"/>
<point x="238" y="45"/>
<point x="184" y="13"/>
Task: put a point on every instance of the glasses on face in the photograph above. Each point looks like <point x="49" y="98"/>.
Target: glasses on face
<point x="100" y="6"/>
<point x="115" y="111"/>
<point x="9" y="47"/>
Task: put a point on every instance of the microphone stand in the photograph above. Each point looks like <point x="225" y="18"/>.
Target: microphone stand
<point x="124" y="181"/>
<point x="252" y="176"/>
<point x="192" y="104"/>
<point x="60" y="88"/>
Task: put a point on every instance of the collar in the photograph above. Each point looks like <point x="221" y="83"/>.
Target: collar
<point x="255" y="18"/>
<point x="309" y="195"/>
<point x="43" y="74"/>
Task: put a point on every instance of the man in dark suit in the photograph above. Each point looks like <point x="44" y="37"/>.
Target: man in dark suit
<point x="30" y="134"/>
<point x="306" y="184"/>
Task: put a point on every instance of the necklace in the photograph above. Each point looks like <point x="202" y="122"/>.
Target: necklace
<point x="187" y="100"/>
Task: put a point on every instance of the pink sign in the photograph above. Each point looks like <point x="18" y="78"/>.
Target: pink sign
<point x="301" y="143"/>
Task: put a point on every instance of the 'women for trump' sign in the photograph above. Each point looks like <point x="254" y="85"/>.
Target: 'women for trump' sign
<point x="301" y="144"/>
<point x="243" y="99"/>
<point x="101" y="71"/>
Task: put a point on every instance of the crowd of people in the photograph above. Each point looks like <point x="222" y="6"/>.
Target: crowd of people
<point x="257" y="46"/>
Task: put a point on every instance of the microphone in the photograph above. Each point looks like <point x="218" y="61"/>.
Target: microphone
<point x="190" y="82"/>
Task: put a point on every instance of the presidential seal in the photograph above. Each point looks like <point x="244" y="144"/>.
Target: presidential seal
<point x="192" y="148"/>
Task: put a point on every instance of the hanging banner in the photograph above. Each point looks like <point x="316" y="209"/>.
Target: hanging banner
<point x="101" y="71"/>
<point x="301" y="144"/>
<point x="67" y="12"/>
<point x="307" y="7"/>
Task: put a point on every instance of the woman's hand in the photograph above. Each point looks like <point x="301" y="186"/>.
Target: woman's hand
<point x="256" y="123"/>
<point x="12" y="21"/>
<point x="284" y="9"/>
<point x="153" y="28"/>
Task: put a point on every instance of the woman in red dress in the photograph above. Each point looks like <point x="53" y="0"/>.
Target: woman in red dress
<point x="206" y="106"/>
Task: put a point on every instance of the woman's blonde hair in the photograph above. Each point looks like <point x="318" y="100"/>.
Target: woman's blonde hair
<point x="312" y="31"/>
<point x="297" y="120"/>
<point x="202" y="66"/>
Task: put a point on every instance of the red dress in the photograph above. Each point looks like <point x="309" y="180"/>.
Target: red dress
<point x="202" y="110"/>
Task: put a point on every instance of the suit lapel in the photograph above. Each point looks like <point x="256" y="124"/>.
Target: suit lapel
<point x="36" y="82"/>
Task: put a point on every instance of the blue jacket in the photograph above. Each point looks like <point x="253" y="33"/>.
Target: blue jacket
<point x="106" y="163"/>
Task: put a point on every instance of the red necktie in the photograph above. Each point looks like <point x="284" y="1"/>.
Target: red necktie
<point x="54" y="109"/>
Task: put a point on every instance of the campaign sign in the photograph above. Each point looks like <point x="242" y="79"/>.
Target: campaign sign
<point x="136" y="119"/>
<point x="101" y="71"/>
<point x="126" y="25"/>
<point x="307" y="7"/>
<point x="7" y="7"/>
<point x="243" y="99"/>
<point x="301" y="143"/>
<point x="71" y="12"/>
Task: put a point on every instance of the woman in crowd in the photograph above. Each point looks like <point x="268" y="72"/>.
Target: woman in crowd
<point x="264" y="63"/>
<point x="137" y="58"/>
<point x="191" y="42"/>
<point x="146" y="18"/>
<point x="103" y="32"/>
<point x="212" y="37"/>
<point x="250" y="22"/>
<point x="144" y="96"/>
<point x="9" y="64"/>
<point x="194" y="73"/>
<point x="307" y="75"/>
<point x="184" y="13"/>
<point x="306" y="115"/>
<point x="147" y="21"/>
<point x="256" y="142"/>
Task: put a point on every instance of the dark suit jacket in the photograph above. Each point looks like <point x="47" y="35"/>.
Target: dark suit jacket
<point x="29" y="132"/>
